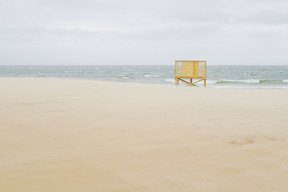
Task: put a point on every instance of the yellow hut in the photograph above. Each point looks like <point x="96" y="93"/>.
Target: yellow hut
<point x="190" y="70"/>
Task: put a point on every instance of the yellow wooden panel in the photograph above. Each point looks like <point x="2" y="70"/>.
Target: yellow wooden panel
<point x="190" y="69"/>
<point x="202" y="68"/>
<point x="195" y="71"/>
<point x="187" y="68"/>
<point x="178" y="68"/>
<point x="184" y="66"/>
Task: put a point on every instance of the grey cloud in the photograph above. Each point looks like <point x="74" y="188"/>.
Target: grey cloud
<point x="182" y="29"/>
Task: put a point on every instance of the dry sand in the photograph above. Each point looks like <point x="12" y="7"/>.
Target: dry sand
<point x="80" y="135"/>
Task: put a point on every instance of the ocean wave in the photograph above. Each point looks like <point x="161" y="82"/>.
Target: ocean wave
<point x="248" y="81"/>
<point x="73" y="72"/>
<point x="252" y="81"/>
<point x="239" y="82"/>
<point x="271" y="81"/>
<point x="151" y="75"/>
<point x="122" y="76"/>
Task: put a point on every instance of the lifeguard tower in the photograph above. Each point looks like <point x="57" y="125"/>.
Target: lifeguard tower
<point x="190" y="70"/>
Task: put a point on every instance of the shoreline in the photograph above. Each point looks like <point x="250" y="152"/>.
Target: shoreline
<point x="145" y="83"/>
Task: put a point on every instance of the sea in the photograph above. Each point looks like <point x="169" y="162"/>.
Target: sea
<point x="218" y="76"/>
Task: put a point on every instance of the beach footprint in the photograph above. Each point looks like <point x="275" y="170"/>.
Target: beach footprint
<point x="244" y="141"/>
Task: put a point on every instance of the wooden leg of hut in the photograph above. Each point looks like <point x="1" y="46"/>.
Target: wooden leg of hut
<point x="191" y="81"/>
<point x="205" y="82"/>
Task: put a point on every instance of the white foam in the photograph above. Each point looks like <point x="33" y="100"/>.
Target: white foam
<point x="285" y="81"/>
<point x="252" y="81"/>
<point x="122" y="76"/>
<point x="170" y="80"/>
<point x="210" y="82"/>
<point x="151" y="75"/>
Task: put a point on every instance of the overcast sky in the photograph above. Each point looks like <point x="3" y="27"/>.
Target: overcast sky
<point x="152" y="32"/>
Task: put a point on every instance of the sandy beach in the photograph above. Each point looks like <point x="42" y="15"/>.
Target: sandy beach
<point x="65" y="135"/>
